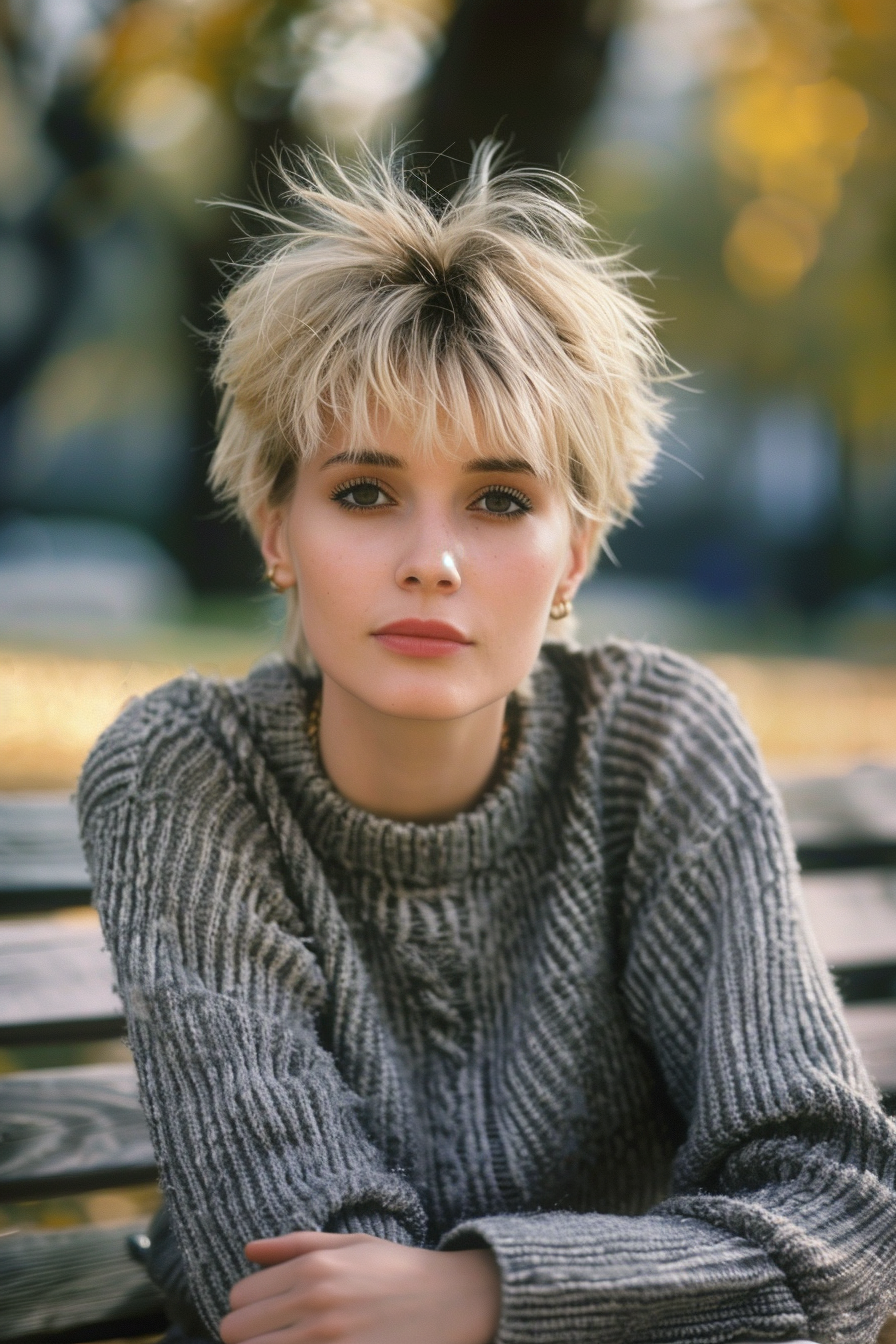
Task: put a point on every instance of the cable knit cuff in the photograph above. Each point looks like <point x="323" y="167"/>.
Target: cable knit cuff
<point x="582" y="1277"/>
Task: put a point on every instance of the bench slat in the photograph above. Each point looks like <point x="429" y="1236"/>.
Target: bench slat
<point x="41" y="864"/>
<point x="78" y="1280"/>
<point x="859" y="804"/>
<point x="853" y="915"/>
<point x="874" y="1027"/>
<point x="56" y="983"/>
<point x="64" y="1130"/>
<point x="56" y="976"/>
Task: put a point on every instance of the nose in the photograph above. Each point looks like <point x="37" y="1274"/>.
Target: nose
<point x="430" y="568"/>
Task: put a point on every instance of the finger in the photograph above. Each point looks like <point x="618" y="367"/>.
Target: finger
<point x="278" y="1278"/>
<point x="292" y="1335"/>
<point x="262" y="1318"/>
<point x="274" y="1250"/>
<point x="282" y="1273"/>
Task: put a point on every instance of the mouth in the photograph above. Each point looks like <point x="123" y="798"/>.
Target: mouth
<point x="422" y="639"/>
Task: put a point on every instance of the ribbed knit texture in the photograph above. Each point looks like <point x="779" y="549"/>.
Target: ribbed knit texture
<point x="582" y="1024"/>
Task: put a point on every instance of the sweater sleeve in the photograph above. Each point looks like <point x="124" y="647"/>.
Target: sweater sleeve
<point x="255" y="1131"/>
<point x="781" y="1221"/>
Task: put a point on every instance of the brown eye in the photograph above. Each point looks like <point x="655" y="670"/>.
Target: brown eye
<point x="364" y="495"/>
<point x="361" y="495"/>
<point x="502" y="503"/>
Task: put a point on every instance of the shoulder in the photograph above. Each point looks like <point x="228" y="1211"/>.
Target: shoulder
<point x="162" y="740"/>
<point x="667" y="741"/>
<point x="149" y="741"/>
<point x="654" y="698"/>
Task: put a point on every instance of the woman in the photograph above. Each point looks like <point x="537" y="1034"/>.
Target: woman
<point x="433" y="939"/>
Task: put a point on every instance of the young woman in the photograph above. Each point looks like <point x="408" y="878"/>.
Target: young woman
<point x="465" y="973"/>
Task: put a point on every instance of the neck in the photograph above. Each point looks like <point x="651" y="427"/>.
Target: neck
<point x="407" y="769"/>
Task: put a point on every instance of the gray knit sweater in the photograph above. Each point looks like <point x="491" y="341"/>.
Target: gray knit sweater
<point x="582" y="1024"/>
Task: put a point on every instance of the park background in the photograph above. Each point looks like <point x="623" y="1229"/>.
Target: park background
<point x="742" y="150"/>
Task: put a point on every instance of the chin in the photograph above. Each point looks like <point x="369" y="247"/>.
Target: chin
<point x="430" y="702"/>
<point x="414" y="694"/>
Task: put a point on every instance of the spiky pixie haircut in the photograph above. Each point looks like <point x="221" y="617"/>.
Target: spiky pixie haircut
<point x="489" y="317"/>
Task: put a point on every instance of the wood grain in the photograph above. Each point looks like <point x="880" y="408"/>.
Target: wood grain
<point x="56" y="982"/>
<point x="74" y="1279"/>
<point x="64" y="1130"/>
<point x="41" y="864"/>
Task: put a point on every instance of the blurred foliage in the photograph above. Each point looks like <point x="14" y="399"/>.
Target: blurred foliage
<point x="760" y="192"/>
<point x="183" y="84"/>
<point x="782" y="262"/>
<point x="806" y="118"/>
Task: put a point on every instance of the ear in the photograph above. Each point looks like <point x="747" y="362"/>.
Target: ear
<point x="272" y="543"/>
<point x="581" y="546"/>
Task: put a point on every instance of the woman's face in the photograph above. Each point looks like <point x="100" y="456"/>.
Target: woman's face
<point x="425" y="581"/>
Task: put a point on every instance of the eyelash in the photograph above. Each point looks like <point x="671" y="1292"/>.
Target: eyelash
<point x="523" y="501"/>
<point x="341" y="493"/>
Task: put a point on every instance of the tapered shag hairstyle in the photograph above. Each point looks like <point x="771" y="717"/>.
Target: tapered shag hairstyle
<point x="493" y="316"/>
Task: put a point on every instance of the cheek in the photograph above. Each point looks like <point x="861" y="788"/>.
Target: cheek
<point x="522" y="570"/>
<point x="516" y="579"/>
<point x="340" y="569"/>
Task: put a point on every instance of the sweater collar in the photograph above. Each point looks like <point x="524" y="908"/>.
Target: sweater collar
<point x="410" y="854"/>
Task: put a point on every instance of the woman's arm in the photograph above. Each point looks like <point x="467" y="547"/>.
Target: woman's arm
<point x="782" y="1221"/>
<point x="255" y="1131"/>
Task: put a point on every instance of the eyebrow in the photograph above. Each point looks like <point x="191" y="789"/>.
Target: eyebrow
<point x="499" y="464"/>
<point x="370" y="457"/>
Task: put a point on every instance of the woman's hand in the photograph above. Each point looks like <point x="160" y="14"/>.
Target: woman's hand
<point x="320" y="1286"/>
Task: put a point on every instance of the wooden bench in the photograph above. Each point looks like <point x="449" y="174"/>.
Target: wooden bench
<point x="72" y="1129"/>
<point x="64" y="1130"/>
<point x="844" y="822"/>
<point x="77" y="1284"/>
<point x="81" y="1128"/>
<point x="41" y="864"/>
<point x="56" y="983"/>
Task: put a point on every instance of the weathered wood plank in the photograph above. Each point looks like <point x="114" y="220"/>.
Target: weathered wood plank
<point x="844" y="821"/>
<point x="853" y="915"/>
<point x="78" y="1280"/>
<point x="874" y="1027"/>
<point x="56" y="982"/>
<point x="63" y="1130"/>
<point x="41" y="864"/>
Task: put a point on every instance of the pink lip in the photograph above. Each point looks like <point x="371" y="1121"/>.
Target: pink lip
<point x="422" y="639"/>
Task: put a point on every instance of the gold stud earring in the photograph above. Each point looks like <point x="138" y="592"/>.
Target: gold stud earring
<point x="560" y="610"/>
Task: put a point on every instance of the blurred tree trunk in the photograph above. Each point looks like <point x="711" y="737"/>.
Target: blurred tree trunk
<point x="527" y="71"/>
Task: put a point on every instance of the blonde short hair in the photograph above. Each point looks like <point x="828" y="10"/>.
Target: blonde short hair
<point x="490" y="316"/>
